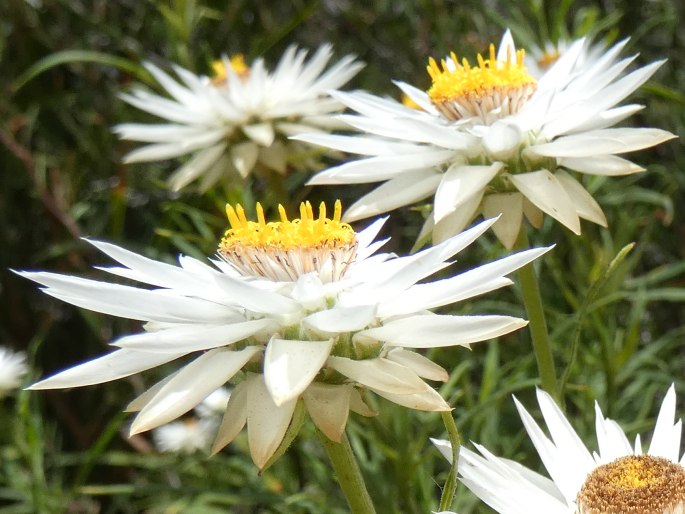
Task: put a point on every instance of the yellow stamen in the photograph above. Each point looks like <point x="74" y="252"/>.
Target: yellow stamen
<point x="288" y="248"/>
<point x="461" y="89"/>
<point x="548" y="58"/>
<point x="237" y="64"/>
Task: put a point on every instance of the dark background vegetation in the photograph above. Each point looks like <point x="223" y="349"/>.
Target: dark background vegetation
<point x="61" y="178"/>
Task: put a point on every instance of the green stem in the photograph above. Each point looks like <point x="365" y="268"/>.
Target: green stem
<point x="348" y="473"/>
<point x="451" y="483"/>
<point x="537" y="324"/>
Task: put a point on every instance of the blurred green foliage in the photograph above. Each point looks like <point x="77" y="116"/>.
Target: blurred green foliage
<point x="617" y="333"/>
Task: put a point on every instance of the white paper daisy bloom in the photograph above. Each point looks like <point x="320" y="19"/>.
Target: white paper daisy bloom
<point x="305" y="309"/>
<point x="238" y="121"/>
<point x="13" y="368"/>
<point x="187" y="436"/>
<point x="490" y="138"/>
<point x="618" y="479"/>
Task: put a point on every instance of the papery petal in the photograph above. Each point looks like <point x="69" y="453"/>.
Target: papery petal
<point x="244" y="157"/>
<point x="422" y="366"/>
<point x="433" y="331"/>
<point x="404" y="190"/>
<point x="603" y="142"/>
<point x="266" y="421"/>
<point x="261" y="133"/>
<point x="379" y="374"/>
<point x="328" y="406"/>
<point x="190" y="338"/>
<point x="112" y="366"/>
<point x="290" y="366"/>
<point x="545" y="192"/>
<point x="428" y="400"/>
<point x="234" y="418"/>
<point x="459" y="184"/>
<point x="341" y="319"/>
<point x="586" y="206"/>
<point x="608" y="165"/>
<point x="184" y="391"/>
<point x="510" y="206"/>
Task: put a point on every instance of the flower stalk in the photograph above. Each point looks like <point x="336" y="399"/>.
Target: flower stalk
<point x="537" y="323"/>
<point x="450" y="488"/>
<point x="349" y="475"/>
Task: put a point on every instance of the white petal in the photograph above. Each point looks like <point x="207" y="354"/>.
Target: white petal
<point x="196" y="166"/>
<point x="545" y="192"/>
<point x="404" y="190"/>
<point x="609" y="165"/>
<point x="141" y="400"/>
<point x="455" y="222"/>
<point x="329" y="407"/>
<point x="190" y="386"/>
<point x="358" y="405"/>
<point x="510" y="206"/>
<point x="341" y="319"/>
<point x="266" y="421"/>
<point x="459" y="287"/>
<point x="665" y="440"/>
<point x="191" y="338"/>
<point x="234" y="418"/>
<point x="112" y="366"/>
<point x="502" y="140"/>
<point x="290" y="366"/>
<point x="586" y="206"/>
<point x="130" y="302"/>
<point x="244" y="157"/>
<point x="460" y="183"/>
<point x="360" y="145"/>
<point x="507" y="49"/>
<point x="433" y="331"/>
<point x="611" y="439"/>
<point x="275" y="157"/>
<point x="444" y="447"/>
<point x="169" y="150"/>
<point x="428" y="400"/>
<point x="366" y="238"/>
<point x="603" y="142"/>
<point x="379" y="374"/>
<point x="255" y="299"/>
<point x="534" y="215"/>
<point x="422" y="366"/>
<point x="377" y="169"/>
<point x="261" y="133"/>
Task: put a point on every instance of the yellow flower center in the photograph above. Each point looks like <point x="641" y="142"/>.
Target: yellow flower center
<point x="237" y="64"/>
<point x="641" y="484"/>
<point x="286" y="249"/>
<point x="548" y="58"/>
<point x="489" y="90"/>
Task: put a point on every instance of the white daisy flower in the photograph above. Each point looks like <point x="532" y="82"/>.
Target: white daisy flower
<point x="13" y="367"/>
<point x="187" y="436"/>
<point x="239" y="121"/>
<point x="305" y="308"/>
<point x="490" y="138"/>
<point x="618" y="479"/>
